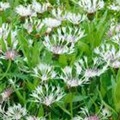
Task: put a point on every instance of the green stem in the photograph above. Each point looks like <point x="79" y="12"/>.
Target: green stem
<point x="8" y="67"/>
<point x="71" y="109"/>
<point x="50" y="116"/>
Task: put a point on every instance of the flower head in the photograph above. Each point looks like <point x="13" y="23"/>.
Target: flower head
<point x="40" y="8"/>
<point x="109" y="54"/>
<point x="114" y="6"/>
<point x="44" y="72"/>
<point x="72" y="80"/>
<point x="58" y="44"/>
<point x="116" y="38"/>
<point x="70" y="34"/>
<point x="59" y="14"/>
<point x="100" y="115"/>
<point x="4" y="6"/>
<point x="15" y="112"/>
<point x="33" y="24"/>
<point x="91" y="6"/>
<point x="4" y="31"/>
<point x="47" y="94"/>
<point x="10" y="51"/>
<point x="75" y="18"/>
<point x="51" y="22"/>
<point x="96" y="68"/>
<point x="24" y="11"/>
<point x="6" y="94"/>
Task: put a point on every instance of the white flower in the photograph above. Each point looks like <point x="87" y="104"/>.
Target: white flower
<point x="114" y="7"/>
<point x="6" y="94"/>
<point x="70" y="34"/>
<point x="47" y="94"/>
<point x="92" y="70"/>
<point x="59" y="14"/>
<point x="10" y="52"/>
<point x="4" y="6"/>
<point x="4" y="31"/>
<point x="51" y="22"/>
<point x="31" y="24"/>
<point x="70" y="79"/>
<point x="109" y="54"/>
<point x="44" y="72"/>
<point x="24" y="11"/>
<point x="102" y="114"/>
<point x="15" y="112"/>
<point x="114" y="29"/>
<point x="91" y="6"/>
<point x="40" y="8"/>
<point x="75" y="18"/>
<point x="116" y="38"/>
<point x="58" y="45"/>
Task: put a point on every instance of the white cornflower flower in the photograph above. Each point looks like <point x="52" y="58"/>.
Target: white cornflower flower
<point x="4" y="6"/>
<point x="10" y="55"/>
<point x="102" y="114"/>
<point x="24" y="11"/>
<point x="114" y="29"/>
<point x="72" y="80"/>
<point x="15" y="112"/>
<point x="44" y="72"/>
<point x="35" y="118"/>
<point x="6" y="94"/>
<point x="114" y="7"/>
<point x="47" y="94"/>
<point x="10" y="52"/>
<point x="116" y="38"/>
<point x="91" y="6"/>
<point x="70" y="34"/>
<point x="59" y="14"/>
<point x="51" y="22"/>
<point x="109" y="54"/>
<point x="40" y="8"/>
<point x="4" y="31"/>
<point x="31" y="24"/>
<point x="75" y="18"/>
<point x="58" y="45"/>
<point x="92" y="70"/>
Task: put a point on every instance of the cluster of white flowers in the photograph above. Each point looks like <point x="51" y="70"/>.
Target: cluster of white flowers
<point x="62" y="31"/>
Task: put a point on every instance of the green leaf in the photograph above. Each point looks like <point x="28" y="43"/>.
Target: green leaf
<point x="117" y="93"/>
